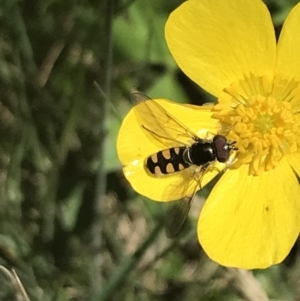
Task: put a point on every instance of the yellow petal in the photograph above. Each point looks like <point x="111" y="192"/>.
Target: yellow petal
<point x="135" y="145"/>
<point x="294" y="160"/>
<point x="219" y="42"/>
<point x="251" y="221"/>
<point x="167" y="187"/>
<point x="288" y="49"/>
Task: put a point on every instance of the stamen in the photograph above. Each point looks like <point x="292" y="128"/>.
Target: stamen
<point x="262" y="121"/>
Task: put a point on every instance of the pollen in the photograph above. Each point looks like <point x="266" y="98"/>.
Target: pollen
<point x="261" y="116"/>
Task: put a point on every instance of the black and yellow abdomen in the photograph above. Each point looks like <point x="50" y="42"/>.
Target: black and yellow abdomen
<point x="201" y="153"/>
<point x="167" y="161"/>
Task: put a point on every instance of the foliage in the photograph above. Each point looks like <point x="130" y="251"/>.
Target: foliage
<point x="70" y="226"/>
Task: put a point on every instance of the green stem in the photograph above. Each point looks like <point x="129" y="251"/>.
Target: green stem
<point x="96" y="267"/>
<point x="127" y="265"/>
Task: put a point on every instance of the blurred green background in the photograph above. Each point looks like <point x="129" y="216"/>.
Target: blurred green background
<point x="70" y="224"/>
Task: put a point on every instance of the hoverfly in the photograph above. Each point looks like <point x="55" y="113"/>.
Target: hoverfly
<point x="198" y="154"/>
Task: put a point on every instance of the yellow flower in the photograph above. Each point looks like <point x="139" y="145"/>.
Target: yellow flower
<point x="252" y="217"/>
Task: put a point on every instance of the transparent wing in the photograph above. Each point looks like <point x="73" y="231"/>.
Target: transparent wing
<point x="178" y="211"/>
<point x="177" y="214"/>
<point x="160" y="123"/>
<point x="139" y="97"/>
<point x="186" y="188"/>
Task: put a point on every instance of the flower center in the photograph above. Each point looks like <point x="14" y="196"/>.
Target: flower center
<point x="262" y="119"/>
<point x="264" y="123"/>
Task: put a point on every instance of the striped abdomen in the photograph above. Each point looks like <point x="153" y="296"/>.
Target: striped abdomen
<point x="167" y="161"/>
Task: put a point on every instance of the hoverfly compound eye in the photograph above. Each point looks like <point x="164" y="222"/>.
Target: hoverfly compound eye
<point x="222" y="148"/>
